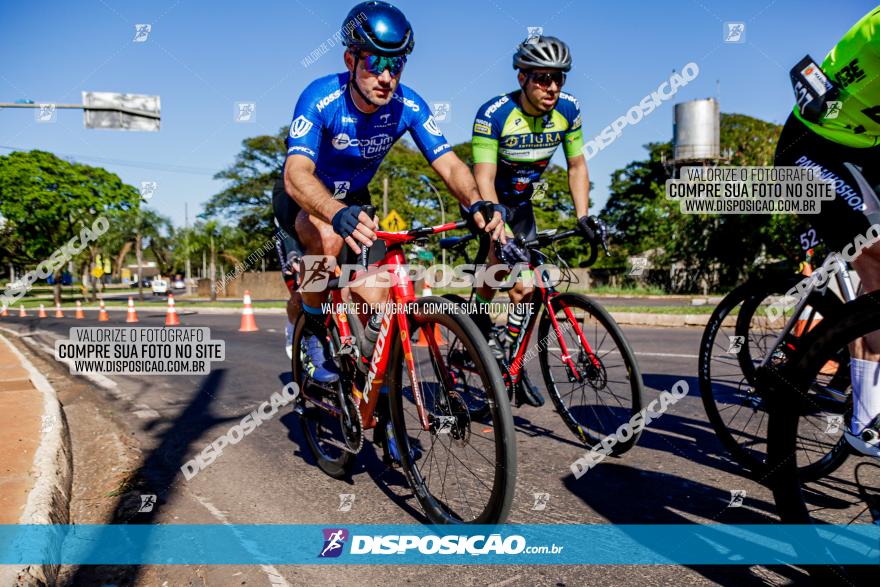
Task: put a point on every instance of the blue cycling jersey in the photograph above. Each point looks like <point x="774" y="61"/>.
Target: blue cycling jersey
<point x="348" y="145"/>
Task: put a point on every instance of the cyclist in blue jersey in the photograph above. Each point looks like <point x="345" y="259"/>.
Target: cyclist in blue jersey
<point x="343" y="125"/>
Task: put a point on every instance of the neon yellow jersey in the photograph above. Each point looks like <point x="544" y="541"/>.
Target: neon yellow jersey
<point x="522" y="145"/>
<point x="854" y="65"/>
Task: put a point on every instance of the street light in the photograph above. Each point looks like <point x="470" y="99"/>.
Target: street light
<point x="427" y="181"/>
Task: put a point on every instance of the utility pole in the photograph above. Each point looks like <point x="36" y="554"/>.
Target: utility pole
<point x="140" y="260"/>
<point x="213" y="277"/>
<point x="188" y="268"/>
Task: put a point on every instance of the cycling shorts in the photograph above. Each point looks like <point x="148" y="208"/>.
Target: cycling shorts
<point x="854" y="171"/>
<point x="289" y="246"/>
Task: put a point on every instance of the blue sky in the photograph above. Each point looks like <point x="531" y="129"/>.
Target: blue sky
<point x="203" y="57"/>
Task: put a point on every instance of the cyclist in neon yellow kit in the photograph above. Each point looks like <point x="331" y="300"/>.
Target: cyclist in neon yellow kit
<point x="514" y="137"/>
<point x="843" y="145"/>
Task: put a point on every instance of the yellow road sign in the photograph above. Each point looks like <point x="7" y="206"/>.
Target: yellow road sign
<point x="97" y="272"/>
<point x="393" y="222"/>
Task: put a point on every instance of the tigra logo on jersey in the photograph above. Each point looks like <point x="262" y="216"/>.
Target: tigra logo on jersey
<point x="526" y="140"/>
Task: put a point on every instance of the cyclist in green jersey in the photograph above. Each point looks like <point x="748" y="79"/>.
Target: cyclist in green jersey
<point x="842" y="144"/>
<point x="514" y="137"/>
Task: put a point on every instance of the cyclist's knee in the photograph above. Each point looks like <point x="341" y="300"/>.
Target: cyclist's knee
<point x="867" y="265"/>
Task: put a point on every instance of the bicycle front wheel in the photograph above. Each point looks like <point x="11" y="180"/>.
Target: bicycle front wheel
<point x="736" y="340"/>
<point x="462" y="470"/>
<point x="606" y="390"/>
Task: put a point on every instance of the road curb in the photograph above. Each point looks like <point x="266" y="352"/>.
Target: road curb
<point x="48" y="502"/>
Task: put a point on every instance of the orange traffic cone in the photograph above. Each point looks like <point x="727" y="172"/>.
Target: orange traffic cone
<point x="42" y="312"/>
<point x="438" y="337"/>
<point x="21" y="312"/>
<point x="4" y="312"/>
<point x="171" y="318"/>
<point x="58" y="312"/>
<point x="79" y="311"/>
<point x="132" y="315"/>
<point x="102" y="313"/>
<point x="248" y="324"/>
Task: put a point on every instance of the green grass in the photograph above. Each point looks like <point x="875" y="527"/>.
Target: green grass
<point x="706" y="309"/>
<point x="625" y="291"/>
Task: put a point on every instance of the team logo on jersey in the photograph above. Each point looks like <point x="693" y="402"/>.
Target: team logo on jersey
<point x="349" y="119"/>
<point x="340" y="189"/>
<point x="430" y="125"/>
<point x="371" y="147"/>
<point x="341" y="141"/>
<point x="384" y="118"/>
<point x="300" y="127"/>
<point x="482" y="128"/>
<point x="329" y="98"/>
<point x="407" y="102"/>
<point x="495" y="106"/>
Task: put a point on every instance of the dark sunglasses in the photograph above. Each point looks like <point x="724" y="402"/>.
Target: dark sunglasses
<point x="545" y="79"/>
<point x="376" y="64"/>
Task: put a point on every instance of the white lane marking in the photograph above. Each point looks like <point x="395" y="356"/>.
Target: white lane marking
<point x="643" y="354"/>
<point x="272" y="573"/>
<point x="675" y="355"/>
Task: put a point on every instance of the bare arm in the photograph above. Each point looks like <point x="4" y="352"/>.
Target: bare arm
<point x="484" y="173"/>
<point x="579" y="184"/>
<point x="314" y="197"/>
<point x="457" y="177"/>
<point x="307" y="190"/>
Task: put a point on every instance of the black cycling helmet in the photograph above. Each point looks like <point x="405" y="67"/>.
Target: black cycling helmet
<point x="542" y="52"/>
<point x="378" y="28"/>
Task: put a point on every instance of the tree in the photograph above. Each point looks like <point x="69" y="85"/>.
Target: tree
<point x="716" y="249"/>
<point x="247" y="199"/>
<point x="47" y="201"/>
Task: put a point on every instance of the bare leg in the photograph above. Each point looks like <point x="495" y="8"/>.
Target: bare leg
<point x="867" y="265"/>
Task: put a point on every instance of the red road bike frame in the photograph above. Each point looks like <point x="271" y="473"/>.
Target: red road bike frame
<point x="547" y="297"/>
<point x="402" y="293"/>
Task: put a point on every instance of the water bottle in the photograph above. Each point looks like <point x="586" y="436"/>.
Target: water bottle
<point x="371" y="334"/>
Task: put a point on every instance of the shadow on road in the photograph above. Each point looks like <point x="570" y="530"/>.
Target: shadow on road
<point x="625" y="495"/>
<point x="389" y="480"/>
<point x="157" y="476"/>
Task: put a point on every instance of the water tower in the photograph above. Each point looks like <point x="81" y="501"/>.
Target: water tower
<point x="696" y="134"/>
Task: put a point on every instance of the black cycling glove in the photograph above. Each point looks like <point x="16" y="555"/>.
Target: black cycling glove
<point x="592" y="227"/>
<point x="346" y="220"/>
<point x="477" y="206"/>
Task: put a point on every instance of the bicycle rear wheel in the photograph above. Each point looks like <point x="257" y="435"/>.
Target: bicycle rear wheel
<point x="730" y="354"/>
<point x="328" y="435"/>
<point x="610" y="390"/>
<point x="805" y="429"/>
<point x="461" y="470"/>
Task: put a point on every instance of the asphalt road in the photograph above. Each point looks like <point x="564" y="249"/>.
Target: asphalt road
<point x="677" y="474"/>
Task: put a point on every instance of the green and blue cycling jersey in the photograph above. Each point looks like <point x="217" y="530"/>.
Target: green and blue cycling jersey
<point x="522" y="145"/>
<point x="854" y="65"/>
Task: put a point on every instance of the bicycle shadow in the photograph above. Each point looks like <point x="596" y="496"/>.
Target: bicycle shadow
<point x="368" y="462"/>
<point x="677" y="500"/>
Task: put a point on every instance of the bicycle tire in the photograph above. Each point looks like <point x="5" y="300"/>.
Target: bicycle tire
<point x="586" y="432"/>
<point x="338" y="467"/>
<point x="438" y="311"/>
<point x="857" y="319"/>
<point x="749" y="296"/>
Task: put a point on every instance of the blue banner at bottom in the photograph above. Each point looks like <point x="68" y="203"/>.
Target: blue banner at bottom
<point x="416" y="544"/>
